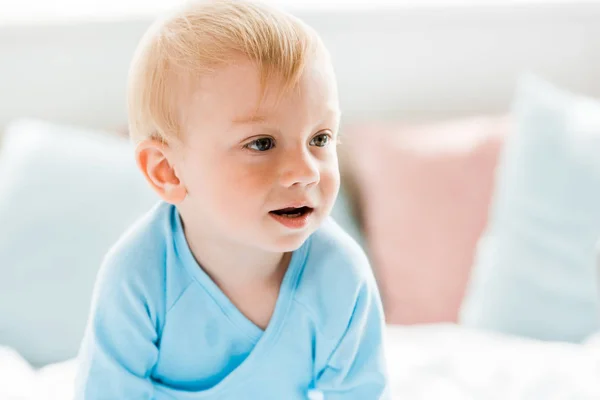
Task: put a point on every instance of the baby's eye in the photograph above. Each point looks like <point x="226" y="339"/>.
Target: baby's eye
<point x="261" y="144"/>
<point x="320" y="140"/>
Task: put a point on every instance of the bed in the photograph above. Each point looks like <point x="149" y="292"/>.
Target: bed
<point x="427" y="362"/>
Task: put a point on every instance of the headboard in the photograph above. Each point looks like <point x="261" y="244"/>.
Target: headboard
<point x="417" y="62"/>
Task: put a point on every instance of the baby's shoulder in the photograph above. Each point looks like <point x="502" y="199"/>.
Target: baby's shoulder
<point x="334" y="254"/>
<point x="138" y="258"/>
<point x="336" y="271"/>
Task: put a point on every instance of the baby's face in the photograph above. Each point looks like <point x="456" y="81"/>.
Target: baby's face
<point x="263" y="177"/>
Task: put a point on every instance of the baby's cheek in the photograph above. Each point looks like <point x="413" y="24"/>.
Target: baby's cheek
<point x="330" y="180"/>
<point x="248" y="180"/>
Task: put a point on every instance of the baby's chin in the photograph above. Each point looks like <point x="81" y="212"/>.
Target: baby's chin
<point x="287" y="242"/>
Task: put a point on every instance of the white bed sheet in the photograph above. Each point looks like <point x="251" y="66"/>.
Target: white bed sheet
<point x="450" y="362"/>
<point x="426" y="362"/>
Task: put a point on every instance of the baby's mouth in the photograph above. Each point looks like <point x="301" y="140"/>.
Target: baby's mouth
<point x="293" y="212"/>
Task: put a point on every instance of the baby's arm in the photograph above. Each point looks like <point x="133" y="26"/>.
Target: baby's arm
<point x="357" y="369"/>
<point x="119" y="346"/>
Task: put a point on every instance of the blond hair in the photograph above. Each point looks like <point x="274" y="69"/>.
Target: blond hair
<point x="197" y="39"/>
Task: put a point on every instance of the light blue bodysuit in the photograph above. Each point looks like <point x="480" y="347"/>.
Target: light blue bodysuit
<point x="160" y="328"/>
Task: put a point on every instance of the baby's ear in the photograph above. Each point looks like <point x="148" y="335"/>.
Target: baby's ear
<point x="152" y="159"/>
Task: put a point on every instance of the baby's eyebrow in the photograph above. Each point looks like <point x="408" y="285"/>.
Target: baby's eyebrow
<point x="249" y="119"/>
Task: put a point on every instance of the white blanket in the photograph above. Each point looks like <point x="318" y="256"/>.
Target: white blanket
<point x="426" y="363"/>
<point x="449" y="362"/>
<point x="20" y="381"/>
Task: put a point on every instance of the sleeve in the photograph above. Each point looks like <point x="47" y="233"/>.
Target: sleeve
<point x="119" y="347"/>
<point x="357" y="369"/>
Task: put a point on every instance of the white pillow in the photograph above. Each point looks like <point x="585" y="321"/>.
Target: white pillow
<point x="66" y="195"/>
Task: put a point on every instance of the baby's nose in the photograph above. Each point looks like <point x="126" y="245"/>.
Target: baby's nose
<point x="299" y="169"/>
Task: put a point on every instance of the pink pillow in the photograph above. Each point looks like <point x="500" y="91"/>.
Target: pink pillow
<point x="424" y="194"/>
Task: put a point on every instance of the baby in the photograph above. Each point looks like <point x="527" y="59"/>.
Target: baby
<point x="237" y="285"/>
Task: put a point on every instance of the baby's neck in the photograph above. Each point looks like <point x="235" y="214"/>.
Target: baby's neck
<point x="250" y="279"/>
<point x="232" y="268"/>
<point x="230" y="265"/>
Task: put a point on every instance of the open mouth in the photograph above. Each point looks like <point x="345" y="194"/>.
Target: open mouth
<point x="293" y="212"/>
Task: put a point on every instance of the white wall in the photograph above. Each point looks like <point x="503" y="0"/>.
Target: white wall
<point x="427" y="62"/>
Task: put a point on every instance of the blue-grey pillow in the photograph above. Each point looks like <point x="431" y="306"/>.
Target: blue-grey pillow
<point x="534" y="272"/>
<point x="66" y="195"/>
